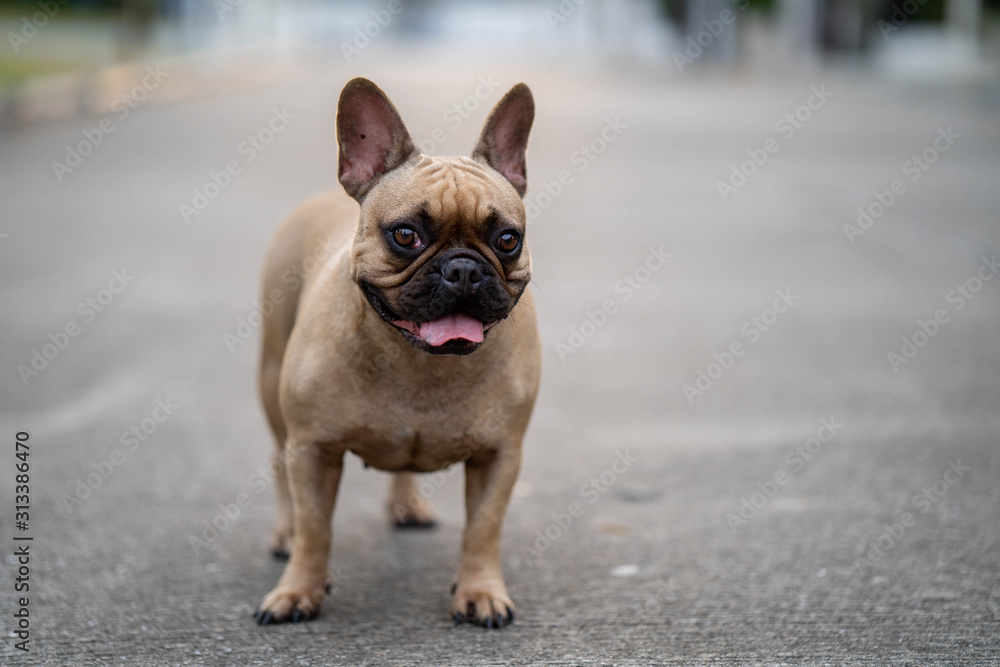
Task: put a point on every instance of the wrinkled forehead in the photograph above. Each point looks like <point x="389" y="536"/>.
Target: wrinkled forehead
<point x="452" y="190"/>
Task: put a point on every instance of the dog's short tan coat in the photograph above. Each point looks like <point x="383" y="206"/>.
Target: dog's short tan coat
<point x="414" y="411"/>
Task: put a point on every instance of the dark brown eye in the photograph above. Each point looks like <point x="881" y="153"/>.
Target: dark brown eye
<point x="406" y="238"/>
<point x="508" y="242"/>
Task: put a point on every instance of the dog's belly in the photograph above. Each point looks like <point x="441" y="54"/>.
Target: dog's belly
<point x="408" y="449"/>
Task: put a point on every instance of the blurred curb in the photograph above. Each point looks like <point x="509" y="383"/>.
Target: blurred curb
<point x="65" y="97"/>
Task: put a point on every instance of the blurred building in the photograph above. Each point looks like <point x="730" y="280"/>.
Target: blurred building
<point x="930" y="39"/>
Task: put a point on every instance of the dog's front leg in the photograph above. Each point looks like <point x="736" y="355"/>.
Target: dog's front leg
<point x="313" y="475"/>
<point x="480" y="593"/>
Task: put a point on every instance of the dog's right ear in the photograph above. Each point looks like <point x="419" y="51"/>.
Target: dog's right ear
<point x="505" y="136"/>
<point x="371" y="137"/>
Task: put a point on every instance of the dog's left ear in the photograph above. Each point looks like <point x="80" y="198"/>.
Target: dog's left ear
<point x="371" y="137"/>
<point x="505" y="136"/>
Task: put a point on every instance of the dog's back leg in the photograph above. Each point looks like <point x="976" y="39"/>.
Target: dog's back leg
<point x="281" y="536"/>
<point x="408" y="507"/>
<point x="306" y="240"/>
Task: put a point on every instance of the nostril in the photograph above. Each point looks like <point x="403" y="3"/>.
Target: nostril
<point x="462" y="270"/>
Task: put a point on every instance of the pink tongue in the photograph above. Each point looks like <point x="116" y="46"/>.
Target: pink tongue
<point x="451" y="327"/>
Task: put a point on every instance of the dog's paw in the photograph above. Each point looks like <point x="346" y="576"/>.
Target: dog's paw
<point x="291" y="604"/>
<point x="405" y="516"/>
<point x="484" y="603"/>
<point x="281" y="543"/>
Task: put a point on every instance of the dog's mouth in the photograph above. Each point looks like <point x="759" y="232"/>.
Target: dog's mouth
<point x="454" y="333"/>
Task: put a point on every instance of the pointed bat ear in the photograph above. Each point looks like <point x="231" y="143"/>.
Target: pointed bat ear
<point x="505" y="136"/>
<point x="371" y="137"/>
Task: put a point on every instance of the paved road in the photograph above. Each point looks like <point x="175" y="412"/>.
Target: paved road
<point x="743" y="531"/>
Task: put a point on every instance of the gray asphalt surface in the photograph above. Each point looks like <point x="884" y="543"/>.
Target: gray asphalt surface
<point x="656" y="568"/>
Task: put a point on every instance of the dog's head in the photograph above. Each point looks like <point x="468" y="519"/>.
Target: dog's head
<point x="440" y="252"/>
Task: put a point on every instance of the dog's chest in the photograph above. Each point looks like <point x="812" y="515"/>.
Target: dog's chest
<point x="416" y="414"/>
<point x="398" y="447"/>
<point x="410" y="421"/>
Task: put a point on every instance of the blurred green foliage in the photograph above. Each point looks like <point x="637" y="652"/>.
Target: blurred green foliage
<point x="16" y="70"/>
<point x="929" y="10"/>
<point x="71" y="7"/>
<point x="676" y="9"/>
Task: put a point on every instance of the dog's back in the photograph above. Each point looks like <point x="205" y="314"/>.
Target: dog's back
<point x="311" y="235"/>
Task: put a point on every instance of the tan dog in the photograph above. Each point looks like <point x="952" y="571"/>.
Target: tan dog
<point x="412" y="343"/>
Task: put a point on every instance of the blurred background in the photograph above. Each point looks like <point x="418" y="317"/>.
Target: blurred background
<point x="70" y="39"/>
<point x="764" y="239"/>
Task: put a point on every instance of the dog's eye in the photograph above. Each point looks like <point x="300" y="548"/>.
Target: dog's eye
<point x="407" y="238"/>
<point x="508" y="242"/>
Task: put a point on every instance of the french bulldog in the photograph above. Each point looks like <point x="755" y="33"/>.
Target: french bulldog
<point x="408" y="339"/>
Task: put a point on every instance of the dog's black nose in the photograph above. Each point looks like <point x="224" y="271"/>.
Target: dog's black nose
<point x="462" y="275"/>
